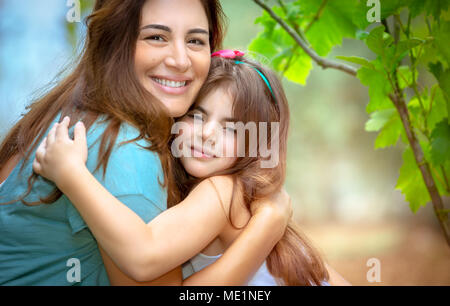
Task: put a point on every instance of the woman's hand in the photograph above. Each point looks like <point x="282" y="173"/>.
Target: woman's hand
<point x="277" y="209"/>
<point x="58" y="156"/>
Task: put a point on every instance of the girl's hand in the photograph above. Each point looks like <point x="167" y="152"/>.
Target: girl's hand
<point x="277" y="209"/>
<point x="58" y="156"/>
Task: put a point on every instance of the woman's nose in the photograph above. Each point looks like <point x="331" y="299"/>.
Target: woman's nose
<point x="179" y="57"/>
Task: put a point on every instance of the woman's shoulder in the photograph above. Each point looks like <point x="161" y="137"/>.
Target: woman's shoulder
<point x="131" y="166"/>
<point x="126" y="145"/>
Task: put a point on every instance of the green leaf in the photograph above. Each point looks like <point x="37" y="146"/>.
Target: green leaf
<point x="404" y="75"/>
<point x="378" y="119"/>
<point x="415" y="111"/>
<point x="300" y="68"/>
<point x="379" y="88"/>
<point x="391" y="7"/>
<point x="390" y="131"/>
<point x="416" y="7"/>
<point x="438" y="107"/>
<point x="443" y="78"/>
<point x="440" y="143"/>
<point x="410" y="182"/>
<point x="339" y="19"/>
<point x="357" y="60"/>
<point x="264" y="46"/>
<point x="406" y="45"/>
<point x="272" y="48"/>
<point x="436" y="7"/>
<point x="441" y="40"/>
<point x="375" y="40"/>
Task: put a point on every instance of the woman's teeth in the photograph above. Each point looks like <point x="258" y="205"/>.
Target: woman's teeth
<point x="169" y="83"/>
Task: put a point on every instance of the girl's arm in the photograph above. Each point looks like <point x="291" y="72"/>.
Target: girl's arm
<point x="335" y="278"/>
<point x="146" y="252"/>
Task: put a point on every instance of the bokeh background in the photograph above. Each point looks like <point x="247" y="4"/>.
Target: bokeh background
<point x="343" y="190"/>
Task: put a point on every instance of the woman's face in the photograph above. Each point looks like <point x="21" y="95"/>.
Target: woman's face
<point x="172" y="52"/>
<point x="209" y="140"/>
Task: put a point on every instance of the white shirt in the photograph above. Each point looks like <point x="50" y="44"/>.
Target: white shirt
<point x="200" y="261"/>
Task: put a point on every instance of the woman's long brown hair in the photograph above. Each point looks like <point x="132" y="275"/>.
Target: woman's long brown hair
<point x="104" y="83"/>
<point x="293" y="261"/>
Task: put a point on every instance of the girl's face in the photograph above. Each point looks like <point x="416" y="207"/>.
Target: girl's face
<point x="172" y="52"/>
<point x="211" y="140"/>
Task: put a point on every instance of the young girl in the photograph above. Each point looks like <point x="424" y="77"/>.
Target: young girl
<point x="222" y="184"/>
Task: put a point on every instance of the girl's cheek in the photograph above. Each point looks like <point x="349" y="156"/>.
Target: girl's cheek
<point x="230" y="147"/>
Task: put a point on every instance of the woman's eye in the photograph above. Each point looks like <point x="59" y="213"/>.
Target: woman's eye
<point x="155" y="38"/>
<point x="196" y="42"/>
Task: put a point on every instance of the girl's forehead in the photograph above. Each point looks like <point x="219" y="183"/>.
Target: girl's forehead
<point x="218" y="101"/>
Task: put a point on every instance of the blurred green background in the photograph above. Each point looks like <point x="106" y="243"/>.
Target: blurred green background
<point x="342" y="189"/>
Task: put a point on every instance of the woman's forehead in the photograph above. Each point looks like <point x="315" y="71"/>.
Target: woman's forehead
<point x="174" y="13"/>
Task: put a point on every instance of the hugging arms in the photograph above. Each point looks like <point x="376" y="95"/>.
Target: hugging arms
<point x="147" y="251"/>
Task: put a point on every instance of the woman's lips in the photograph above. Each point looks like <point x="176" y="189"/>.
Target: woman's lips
<point x="171" y="86"/>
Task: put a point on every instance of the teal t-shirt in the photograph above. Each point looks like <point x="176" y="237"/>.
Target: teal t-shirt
<point x="49" y="244"/>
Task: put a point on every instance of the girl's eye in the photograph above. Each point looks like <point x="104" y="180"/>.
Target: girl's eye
<point x="196" y="116"/>
<point x="230" y="129"/>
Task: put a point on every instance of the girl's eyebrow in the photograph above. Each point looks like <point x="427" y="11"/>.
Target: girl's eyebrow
<point x="167" y="29"/>
<point x="201" y="109"/>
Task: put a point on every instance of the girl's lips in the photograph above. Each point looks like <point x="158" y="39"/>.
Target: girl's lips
<point x="203" y="155"/>
<point x="172" y="90"/>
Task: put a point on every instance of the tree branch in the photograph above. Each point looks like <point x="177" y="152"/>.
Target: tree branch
<point x="424" y="167"/>
<point x="324" y="63"/>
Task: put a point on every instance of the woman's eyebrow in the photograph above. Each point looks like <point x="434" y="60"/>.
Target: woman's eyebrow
<point x="198" y="31"/>
<point x="167" y="29"/>
<point x="158" y="27"/>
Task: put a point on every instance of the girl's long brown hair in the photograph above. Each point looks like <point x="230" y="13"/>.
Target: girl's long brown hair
<point x="104" y="83"/>
<point x="293" y="261"/>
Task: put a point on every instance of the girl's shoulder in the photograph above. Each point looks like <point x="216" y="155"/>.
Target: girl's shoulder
<point x="229" y="191"/>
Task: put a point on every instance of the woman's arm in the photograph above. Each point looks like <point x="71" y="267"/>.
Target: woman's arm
<point x="146" y="252"/>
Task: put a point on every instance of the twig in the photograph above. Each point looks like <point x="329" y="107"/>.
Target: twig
<point x="324" y="63"/>
<point x="317" y="16"/>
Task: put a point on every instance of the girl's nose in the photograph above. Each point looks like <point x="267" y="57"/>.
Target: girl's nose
<point x="209" y="131"/>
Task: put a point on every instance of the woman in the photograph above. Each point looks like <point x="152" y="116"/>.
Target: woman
<point x="143" y="64"/>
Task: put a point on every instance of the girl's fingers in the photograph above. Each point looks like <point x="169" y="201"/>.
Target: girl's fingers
<point x="62" y="131"/>
<point x="51" y="137"/>
<point x="37" y="167"/>
<point x="40" y="153"/>
<point x="80" y="134"/>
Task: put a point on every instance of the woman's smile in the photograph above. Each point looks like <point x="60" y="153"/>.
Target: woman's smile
<point x="172" y="85"/>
